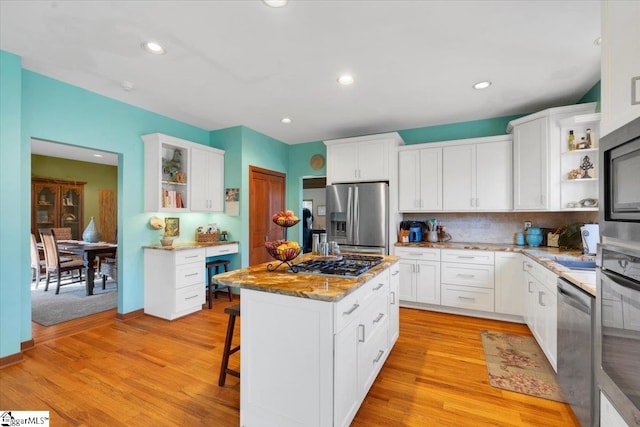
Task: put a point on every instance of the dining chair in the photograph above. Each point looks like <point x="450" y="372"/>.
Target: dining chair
<point x="62" y="233"/>
<point x="108" y="268"/>
<point x="53" y="262"/>
<point x="37" y="264"/>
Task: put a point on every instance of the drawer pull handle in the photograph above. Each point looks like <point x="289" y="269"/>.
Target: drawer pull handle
<point x="416" y="254"/>
<point x="466" y="298"/>
<point x="466" y="276"/>
<point x="353" y="308"/>
<point x="379" y="356"/>
<point x="361" y="328"/>
<point x="465" y="257"/>
<point x="540" y="294"/>
<point x="393" y="297"/>
<point x="192" y="256"/>
<point x="195" y="296"/>
<point x="224" y="250"/>
<point x="395" y="273"/>
<point x="526" y="266"/>
<point x="380" y="285"/>
<point x="379" y="318"/>
<point x="191" y="274"/>
<point x="529" y="287"/>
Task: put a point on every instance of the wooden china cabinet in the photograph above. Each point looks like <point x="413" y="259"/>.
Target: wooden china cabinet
<point x="57" y="203"/>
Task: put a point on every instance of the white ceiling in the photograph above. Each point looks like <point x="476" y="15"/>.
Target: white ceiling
<point x="234" y="63"/>
<point x="72" y="152"/>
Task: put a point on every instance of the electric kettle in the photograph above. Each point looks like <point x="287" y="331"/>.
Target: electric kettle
<point x="415" y="232"/>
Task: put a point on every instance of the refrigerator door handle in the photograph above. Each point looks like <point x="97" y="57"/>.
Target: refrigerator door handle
<point x="350" y="215"/>
<point x="355" y="238"/>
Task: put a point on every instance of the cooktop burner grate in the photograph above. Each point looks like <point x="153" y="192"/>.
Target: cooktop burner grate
<point x="350" y="265"/>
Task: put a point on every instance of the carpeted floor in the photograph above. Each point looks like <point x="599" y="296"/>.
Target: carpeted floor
<point x="516" y="363"/>
<point x="48" y="309"/>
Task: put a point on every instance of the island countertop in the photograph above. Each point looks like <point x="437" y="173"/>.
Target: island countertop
<point x="284" y="282"/>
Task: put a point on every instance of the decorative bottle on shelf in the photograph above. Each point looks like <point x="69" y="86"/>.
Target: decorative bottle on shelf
<point x="91" y="233"/>
<point x="589" y="142"/>
<point x="572" y="138"/>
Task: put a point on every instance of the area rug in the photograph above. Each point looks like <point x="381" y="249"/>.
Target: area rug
<point x="48" y="309"/>
<point x="516" y="363"/>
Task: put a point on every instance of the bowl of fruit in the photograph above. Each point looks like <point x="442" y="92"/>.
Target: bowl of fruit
<point x="285" y="218"/>
<point x="283" y="250"/>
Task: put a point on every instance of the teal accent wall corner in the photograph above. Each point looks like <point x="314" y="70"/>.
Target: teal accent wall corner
<point x="593" y="95"/>
<point x="15" y="320"/>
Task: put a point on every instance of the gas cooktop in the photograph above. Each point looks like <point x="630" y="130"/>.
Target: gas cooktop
<point x="350" y="265"/>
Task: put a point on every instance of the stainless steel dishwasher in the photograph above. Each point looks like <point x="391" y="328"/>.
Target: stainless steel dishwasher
<point x="576" y="351"/>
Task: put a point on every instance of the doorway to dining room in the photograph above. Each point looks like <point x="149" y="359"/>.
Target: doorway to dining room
<point x="73" y="187"/>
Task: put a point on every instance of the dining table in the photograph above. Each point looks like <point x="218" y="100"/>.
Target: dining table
<point x="89" y="252"/>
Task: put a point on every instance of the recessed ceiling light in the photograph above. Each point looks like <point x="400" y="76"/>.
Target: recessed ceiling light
<point x="97" y="155"/>
<point x="598" y="41"/>
<point x="127" y="85"/>
<point x="482" y="85"/>
<point x="346" y="79"/>
<point x="275" y="3"/>
<point x="154" y="48"/>
<point x="286" y="120"/>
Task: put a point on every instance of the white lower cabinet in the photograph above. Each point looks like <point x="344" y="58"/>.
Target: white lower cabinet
<point x="509" y="283"/>
<point x="541" y="307"/>
<point x="173" y="282"/>
<point x="467" y="279"/>
<point x="419" y="275"/>
<point x="311" y="363"/>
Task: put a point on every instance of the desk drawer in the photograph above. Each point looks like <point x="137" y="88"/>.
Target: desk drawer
<point x="189" y="297"/>
<point x="189" y="256"/>
<point x="221" y="250"/>
<point x="189" y="274"/>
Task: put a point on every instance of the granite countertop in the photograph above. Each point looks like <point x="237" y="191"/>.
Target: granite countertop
<point x="281" y="281"/>
<point x="546" y="256"/>
<point x="190" y="245"/>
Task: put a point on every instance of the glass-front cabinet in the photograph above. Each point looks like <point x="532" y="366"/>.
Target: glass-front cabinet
<point x="55" y="204"/>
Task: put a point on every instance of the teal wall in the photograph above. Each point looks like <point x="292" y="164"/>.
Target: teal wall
<point x="593" y="95"/>
<point x="15" y="326"/>
<point x="35" y="106"/>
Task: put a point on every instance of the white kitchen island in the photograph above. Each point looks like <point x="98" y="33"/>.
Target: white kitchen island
<point x="311" y="346"/>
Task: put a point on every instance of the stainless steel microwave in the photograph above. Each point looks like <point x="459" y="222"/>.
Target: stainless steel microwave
<point x="620" y="183"/>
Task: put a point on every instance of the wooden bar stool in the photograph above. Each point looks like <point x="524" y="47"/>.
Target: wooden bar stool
<point x="232" y="311"/>
<point x="212" y="286"/>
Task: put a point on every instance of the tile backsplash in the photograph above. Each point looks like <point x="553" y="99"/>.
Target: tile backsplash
<point x="500" y="227"/>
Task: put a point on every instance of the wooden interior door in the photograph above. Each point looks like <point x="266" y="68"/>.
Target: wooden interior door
<point x="266" y="197"/>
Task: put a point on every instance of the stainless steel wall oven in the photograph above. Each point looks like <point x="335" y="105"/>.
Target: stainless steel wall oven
<point x="618" y="329"/>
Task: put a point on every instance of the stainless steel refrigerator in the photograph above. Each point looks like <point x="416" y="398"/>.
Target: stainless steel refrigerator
<point x="357" y="217"/>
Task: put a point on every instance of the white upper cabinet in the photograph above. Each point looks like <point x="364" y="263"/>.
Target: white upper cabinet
<point x="182" y="176"/>
<point x="477" y="176"/>
<point x="620" y="73"/>
<point x="207" y="187"/>
<point x="363" y="158"/>
<point x="420" y="180"/>
<point x="536" y="157"/>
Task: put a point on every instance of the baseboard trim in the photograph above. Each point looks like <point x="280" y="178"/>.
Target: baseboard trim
<point x="130" y="315"/>
<point x="12" y="359"/>
<point x="27" y="345"/>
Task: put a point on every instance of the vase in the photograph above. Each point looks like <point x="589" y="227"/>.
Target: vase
<point x="91" y="233"/>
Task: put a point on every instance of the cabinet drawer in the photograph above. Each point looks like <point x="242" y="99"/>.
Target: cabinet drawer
<point x="188" y="256"/>
<point x="189" y="297"/>
<point x="221" y="250"/>
<point x="427" y="254"/>
<point x="467" y="297"/>
<point x="376" y="286"/>
<point x="189" y="274"/>
<point x="348" y="309"/>
<point x="374" y="315"/>
<point x="467" y="274"/>
<point x="467" y="256"/>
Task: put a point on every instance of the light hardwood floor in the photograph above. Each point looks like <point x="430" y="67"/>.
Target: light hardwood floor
<point x="145" y="371"/>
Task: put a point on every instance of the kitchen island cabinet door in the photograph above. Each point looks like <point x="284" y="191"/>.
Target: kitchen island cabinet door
<point x="347" y="396"/>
